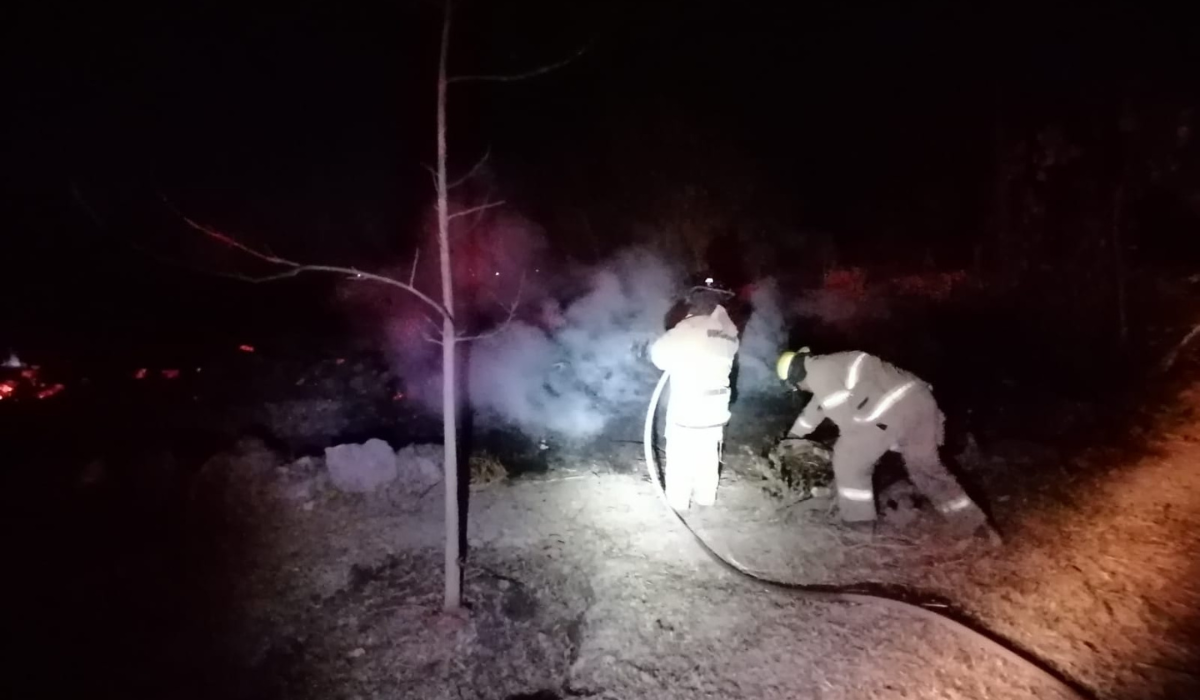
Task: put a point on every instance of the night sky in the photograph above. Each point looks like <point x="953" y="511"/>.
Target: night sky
<point x="306" y="128"/>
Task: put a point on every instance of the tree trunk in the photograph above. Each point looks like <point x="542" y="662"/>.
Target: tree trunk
<point x="453" y="591"/>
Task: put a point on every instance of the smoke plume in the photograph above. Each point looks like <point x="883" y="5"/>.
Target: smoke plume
<point x="576" y="357"/>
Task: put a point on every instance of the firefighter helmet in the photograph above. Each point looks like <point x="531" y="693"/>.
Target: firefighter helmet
<point x="788" y="369"/>
<point x="708" y="283"/>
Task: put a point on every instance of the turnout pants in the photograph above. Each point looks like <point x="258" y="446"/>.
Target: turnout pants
<point x="693" y="469"/>
<point x="917" y="440"/>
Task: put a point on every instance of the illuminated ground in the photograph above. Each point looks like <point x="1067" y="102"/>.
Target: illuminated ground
<point x="582" y="586"/>
<point x="585" y="585"/>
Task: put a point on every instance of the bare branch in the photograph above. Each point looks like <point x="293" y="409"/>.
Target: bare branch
<point x="522" y="76"/>
<point x="474" y="169"/>
<point x="294" y="272"/>
<point x="1169" y="360"/>
<point x="295" y="268"/>
<point x="412" y="276"/>
<point x="503" y="325"/>
<point x="471" y="210"/>
<point x="479" y="212"/>
<point x="431" y="338"/>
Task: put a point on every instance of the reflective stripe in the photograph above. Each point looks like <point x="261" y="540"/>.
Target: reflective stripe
<point x="889" y="399"/>
<point x="856" y="494"/>
<point x="852" y="374"/>
<point x="956" y="505"/>
<point x="805" y="424"/>
<point x="837" y="398"/>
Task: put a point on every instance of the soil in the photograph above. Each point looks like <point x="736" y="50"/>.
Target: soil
<point x="160" y="570"/>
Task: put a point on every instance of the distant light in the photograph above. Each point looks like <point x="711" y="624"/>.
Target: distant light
<point x="140" y="374"/>
<point x="170" y="373"/>
<point x="50" y="391"/>
<point x="708" y="280"/>
<point x="246" y="348"/>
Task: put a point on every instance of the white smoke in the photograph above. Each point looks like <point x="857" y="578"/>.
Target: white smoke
<point x="762" y="341"/>
<point x="572" y="379"/>
<point x="581" y="362"/>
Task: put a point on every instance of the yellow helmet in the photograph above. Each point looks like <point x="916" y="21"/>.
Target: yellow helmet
<point x="783" y="367"/>
<point x="784" y="364"/>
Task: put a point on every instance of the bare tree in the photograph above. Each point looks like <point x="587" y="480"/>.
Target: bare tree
<point x="451" y="332"/>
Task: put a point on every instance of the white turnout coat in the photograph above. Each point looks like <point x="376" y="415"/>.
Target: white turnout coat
<point x="860" y="392"/>
<point x="698" y="353"/>
<point x="879" y="407"/>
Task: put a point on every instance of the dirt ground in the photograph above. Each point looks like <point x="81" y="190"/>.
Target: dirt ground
<point x="252" y="578"/>
<point x="581" y="585"/>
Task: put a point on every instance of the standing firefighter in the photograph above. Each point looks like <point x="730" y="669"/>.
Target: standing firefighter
<point x="698" y="353"/>
<point x="877" y="408"/>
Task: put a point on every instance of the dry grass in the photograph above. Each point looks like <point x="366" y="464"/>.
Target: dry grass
<point x="486" y="469"/>
<point x="791" y="469"/>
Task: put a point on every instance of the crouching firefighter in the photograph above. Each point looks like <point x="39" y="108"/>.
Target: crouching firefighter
<point x="877" y="408"/>
<point x="698" y="352"/>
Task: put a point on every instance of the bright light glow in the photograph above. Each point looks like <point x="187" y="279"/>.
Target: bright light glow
<point x="246" y="348"/>
<point x="837" y="398"/>
<point x="889" y="399"/>
<point x="852" y="375"/>
<point x="805" y="424"/>
<point x="856" y="494"/>
<point x="956" y="505"/>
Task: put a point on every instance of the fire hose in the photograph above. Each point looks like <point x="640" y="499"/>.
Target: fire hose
<point x="846" y="593"/>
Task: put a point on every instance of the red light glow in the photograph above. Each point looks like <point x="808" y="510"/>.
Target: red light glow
<point x="49" y="391"/>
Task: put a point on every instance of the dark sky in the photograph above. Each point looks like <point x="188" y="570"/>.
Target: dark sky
<point x="307" y="126"/>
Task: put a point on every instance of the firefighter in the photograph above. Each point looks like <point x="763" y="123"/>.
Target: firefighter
<point x="877" y="408"/>
<point x="698" y="352"/>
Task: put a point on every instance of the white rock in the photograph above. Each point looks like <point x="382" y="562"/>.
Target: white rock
<point x="361" y="468"/>
<point x="420" y="466"/>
